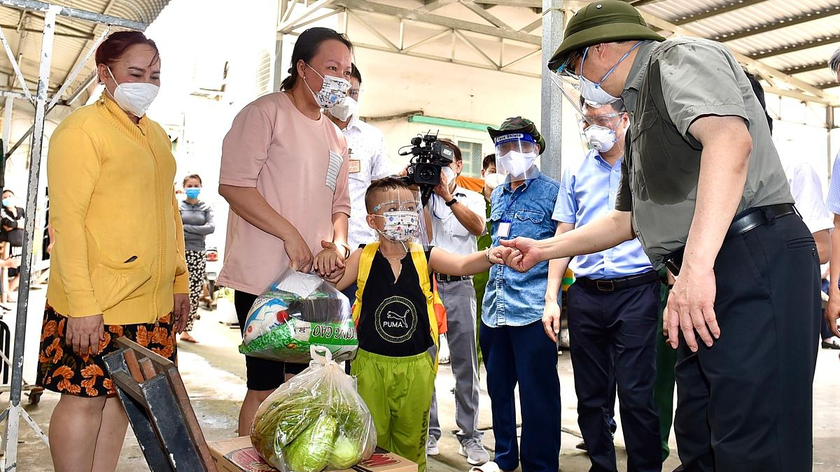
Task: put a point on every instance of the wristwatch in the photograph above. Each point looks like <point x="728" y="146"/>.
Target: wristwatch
<point x="452" y="202"/>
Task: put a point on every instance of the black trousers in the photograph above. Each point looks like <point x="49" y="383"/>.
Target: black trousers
<point x="613" y="343"/>
<point x="746" y="403"/>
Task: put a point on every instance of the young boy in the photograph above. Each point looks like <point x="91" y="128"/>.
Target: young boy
<point x="395" y="321"/>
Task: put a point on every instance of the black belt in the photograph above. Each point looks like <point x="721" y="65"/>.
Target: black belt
<point x="611" y="285"/>
<point x="744" y="223"/>
<point x="451" y="278"/>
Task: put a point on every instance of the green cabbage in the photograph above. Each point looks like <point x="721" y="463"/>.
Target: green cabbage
<point x="310" y="451"/>
<point x="345" y="454"/>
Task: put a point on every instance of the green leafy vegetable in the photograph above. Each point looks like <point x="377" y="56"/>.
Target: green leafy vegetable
<point x="310" y="451"/>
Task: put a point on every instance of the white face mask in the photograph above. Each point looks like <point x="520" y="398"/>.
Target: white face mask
<point x="450" y="174"/>
<point x="517" y="163"/>
<point x="593" y="92"/>
<point x="493" y="180"/>
<point x="344" y="110"/>
<point x="333" y="90"/>
<point x="601" y="138"/>
<point x="400" y="225"/>
<point x="134" y="97"/>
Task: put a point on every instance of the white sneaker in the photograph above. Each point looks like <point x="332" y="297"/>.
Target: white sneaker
<point x="474" y="451"/>
<point x="432" y="446"/>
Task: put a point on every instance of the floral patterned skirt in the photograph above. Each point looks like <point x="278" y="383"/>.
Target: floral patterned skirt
<point x="62" y="371"/>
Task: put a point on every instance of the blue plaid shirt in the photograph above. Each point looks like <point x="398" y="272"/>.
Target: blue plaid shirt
<point x="514" y="298"/>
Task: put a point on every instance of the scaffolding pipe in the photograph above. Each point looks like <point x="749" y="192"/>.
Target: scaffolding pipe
<point x="33" y="5"/>
<point x="15" y="410"/>
<point x="18" y="73"/>
<point x="77" y="69"/>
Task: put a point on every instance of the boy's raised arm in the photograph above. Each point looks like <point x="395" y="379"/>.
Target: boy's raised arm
<point x="453" y="264"/>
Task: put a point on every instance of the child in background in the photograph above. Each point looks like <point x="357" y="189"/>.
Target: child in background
<point x="395" y="322"/>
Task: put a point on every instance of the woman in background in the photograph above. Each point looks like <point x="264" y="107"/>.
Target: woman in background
<point x="197" y="217"/>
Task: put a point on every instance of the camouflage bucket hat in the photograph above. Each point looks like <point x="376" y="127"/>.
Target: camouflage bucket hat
<point x="604" y="21"/>
<point x="518" y="124"/>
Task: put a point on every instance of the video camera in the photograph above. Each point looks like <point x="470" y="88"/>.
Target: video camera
<point x="429" y="157"/>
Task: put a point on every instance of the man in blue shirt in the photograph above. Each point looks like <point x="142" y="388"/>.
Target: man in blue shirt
<point x="514" y="346"/>
<point x="613" y="307"/>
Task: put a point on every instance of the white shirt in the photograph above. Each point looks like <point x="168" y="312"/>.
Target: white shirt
<point x="447" y="232"/>
<point x="368" y="161"/>
<point x="807" y="193"/>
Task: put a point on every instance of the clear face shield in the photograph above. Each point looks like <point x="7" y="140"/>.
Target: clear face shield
<point x="571" y="72"/>
<point x="400" y="218"/>
<point x="598" y="123"/>
<point x="515" y="155"/>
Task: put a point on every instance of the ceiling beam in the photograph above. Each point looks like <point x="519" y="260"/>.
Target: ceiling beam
<point x="432" y="6"/>
<point x="451" y="23"/>
<point x="807" y="68"/>
<point x="828" y="85"/>
<point x="730" y="7"/>
<point x="485" y="15"/>
<point x="513" y="3"/>
<point x="804" y="17"/>
<point x="751" y="63"/>
<point x="532" y="26"/>
<point x="789" y="48"/>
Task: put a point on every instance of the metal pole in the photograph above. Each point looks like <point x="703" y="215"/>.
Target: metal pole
<point x="13" y="423"/>
<point x="551" y="117"/>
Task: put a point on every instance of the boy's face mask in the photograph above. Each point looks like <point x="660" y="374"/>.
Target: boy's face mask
<point x="400" y="225"/>
<point x="401" y="220"/>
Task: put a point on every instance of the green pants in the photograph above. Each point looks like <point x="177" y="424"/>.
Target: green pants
<point x="398" y="392"/>
<point x="663" y="393"/>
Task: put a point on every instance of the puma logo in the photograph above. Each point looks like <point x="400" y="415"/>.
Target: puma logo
<point x="402" y="321"/>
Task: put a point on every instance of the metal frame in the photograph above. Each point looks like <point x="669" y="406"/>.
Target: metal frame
<point x="43" y="105"/>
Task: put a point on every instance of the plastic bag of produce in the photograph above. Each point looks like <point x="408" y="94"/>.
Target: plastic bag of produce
<point x="298" y="311"/>
<point x="314" y="421"/>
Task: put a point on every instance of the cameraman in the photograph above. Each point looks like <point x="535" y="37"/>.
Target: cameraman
<point x="458" y="218"/>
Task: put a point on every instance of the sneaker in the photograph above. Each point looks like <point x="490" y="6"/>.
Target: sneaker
<point x="474" y="451"/>
<point x="432" y="448"/>
<point x="831" y="343"/>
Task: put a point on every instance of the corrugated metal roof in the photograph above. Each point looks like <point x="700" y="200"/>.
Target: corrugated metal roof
<point x="73" y="37"/>
<point x="781" y="34"/>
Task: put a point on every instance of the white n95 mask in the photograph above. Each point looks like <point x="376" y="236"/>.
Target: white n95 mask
<point x="517" y="163"/>
<point x="344" y="110"/>
<point x="134" y="97"/>
<point x="601" y="138"/>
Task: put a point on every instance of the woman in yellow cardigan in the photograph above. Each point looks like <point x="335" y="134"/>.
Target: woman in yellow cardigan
<point x="118" y="265"/>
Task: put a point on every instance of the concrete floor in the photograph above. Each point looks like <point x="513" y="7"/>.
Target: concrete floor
<point x="213" y="373"/>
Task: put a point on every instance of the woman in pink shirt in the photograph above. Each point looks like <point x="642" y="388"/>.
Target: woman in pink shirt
<point x="284" y="174"/>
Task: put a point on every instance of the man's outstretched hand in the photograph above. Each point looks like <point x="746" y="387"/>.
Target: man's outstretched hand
<point x="524" y="254"/>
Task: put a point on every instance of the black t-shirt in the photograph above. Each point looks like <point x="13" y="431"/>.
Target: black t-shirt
<point x="394" y="320"/>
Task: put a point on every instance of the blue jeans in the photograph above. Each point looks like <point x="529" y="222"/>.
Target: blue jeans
<point x="523" y="355"/>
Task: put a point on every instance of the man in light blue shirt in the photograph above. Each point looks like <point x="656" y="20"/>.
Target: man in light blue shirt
<point x="613" y="307"/>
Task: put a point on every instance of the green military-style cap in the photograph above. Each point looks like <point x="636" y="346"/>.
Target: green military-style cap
<point x="603" y="21"/>
<point x="517" y="124"/>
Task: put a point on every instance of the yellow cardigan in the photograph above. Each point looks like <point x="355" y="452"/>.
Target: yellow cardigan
<point x="119" y="244"/>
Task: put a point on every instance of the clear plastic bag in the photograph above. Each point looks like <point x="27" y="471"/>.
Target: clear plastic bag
<point x="298" y="311"/>
<point x="314" y="421"/>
